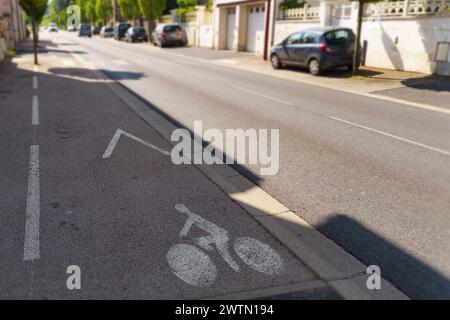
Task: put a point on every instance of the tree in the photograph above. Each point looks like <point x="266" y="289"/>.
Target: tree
<point x="185" y="6"/>
<point x="104" y="10"/>
<point x="82" y="4"/>
<point x="35" y="9"/>
<point x="152" y="10"/>
<point x="129" y="9"/>
<point x="90" y="11"/>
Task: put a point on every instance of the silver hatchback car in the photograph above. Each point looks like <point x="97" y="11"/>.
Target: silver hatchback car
<point x="169" y="34"/>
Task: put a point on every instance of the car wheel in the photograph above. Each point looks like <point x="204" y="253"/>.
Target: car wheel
<point x="314" y="67"/>
<point x="276" y="63"/>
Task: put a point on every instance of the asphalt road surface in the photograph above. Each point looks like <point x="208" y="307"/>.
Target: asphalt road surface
<point x="371" y="175"/>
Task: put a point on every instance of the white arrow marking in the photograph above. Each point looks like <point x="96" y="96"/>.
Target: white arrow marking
<point x="115" y="139"/>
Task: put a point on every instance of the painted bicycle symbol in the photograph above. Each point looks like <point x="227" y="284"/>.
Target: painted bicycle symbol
<point x="196" y="268"/>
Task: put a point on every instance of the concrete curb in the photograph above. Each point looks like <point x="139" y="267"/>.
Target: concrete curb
<point x="331" y="263"/>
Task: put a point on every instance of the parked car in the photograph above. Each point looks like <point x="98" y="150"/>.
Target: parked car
<point x="107" y="32"/>
<point x="52" y="27"/>
<point x="317" y="49"/>
<point x="85" y="30"/>
<point x="166" y="34"/>
<point x="96" y="30"/>
<point x="120" y="30"/>
<point x="136" y="34"/>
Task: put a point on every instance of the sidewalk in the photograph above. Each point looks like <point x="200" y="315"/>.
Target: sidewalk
<point x="408" y="86"/>
<point x="108" y="202"/>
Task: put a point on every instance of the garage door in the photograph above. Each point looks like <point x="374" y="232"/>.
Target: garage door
<point x="231" y="23"/>
<point x="255" y="29"/>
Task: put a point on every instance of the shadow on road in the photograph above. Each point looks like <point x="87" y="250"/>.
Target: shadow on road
<point x="414" y="277"/>
<point x="86" y="73"/>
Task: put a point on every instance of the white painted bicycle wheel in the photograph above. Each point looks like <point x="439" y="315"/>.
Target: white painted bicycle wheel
<point x="191" y="265"/>
<point x="258" y="255"/>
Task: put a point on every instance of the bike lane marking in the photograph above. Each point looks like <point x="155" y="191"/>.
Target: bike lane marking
<point x="196" y="268"/>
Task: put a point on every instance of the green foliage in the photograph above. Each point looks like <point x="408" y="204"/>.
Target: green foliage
<point x="152" y="9"/>
<point x="104" y="11"/>
<point x="185" y="6"/>
<point x="129" y="9"/>
<point x="292" y="4"/>
<point x="34" y="8"/>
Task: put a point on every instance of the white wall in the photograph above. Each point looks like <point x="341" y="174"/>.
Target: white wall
<point x="283" y="28"/>
<point x="403" y="43"/>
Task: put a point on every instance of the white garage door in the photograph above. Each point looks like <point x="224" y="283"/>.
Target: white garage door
<point x="255" y="29"/>
<point x="231" y="23"/>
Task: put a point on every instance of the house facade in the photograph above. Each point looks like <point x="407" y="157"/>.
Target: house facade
<point x="410" y="35"/>
<point x="12" y="25"/>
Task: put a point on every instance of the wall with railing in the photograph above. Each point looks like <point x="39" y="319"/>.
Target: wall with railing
<point x="402" y="35"/>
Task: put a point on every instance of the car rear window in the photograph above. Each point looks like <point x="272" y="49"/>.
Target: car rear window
<point x="172" y="28"/>
<point x="83" y="27"/>
<point x="339" y="36"/>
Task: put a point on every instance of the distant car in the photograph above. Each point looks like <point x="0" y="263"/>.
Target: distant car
<point x="136" y="34"/>
<point x="318" y="49"/>
<point x="85" y="30"/>
<point x="169" y="34"/>
<point x="107" y="32"/>
<point x="52" y="27"/>
<point x="120" y="30"/>
<point x="96" y="30"/>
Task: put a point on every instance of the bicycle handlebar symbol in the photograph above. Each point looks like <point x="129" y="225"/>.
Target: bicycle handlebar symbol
<point x="196" y="268"/>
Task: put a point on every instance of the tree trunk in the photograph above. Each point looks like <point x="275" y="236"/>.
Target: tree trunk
<point x="150" y="27"/>
<point x="35" y="40"/>
<point x="357" y="51"/>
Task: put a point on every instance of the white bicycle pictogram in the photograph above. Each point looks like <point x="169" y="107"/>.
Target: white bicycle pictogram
<point x="196" y="268"/>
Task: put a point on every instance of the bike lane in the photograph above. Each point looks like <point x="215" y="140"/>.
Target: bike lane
<point x="124" y="220"/>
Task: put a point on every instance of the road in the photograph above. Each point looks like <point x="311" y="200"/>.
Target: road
<point x="371" y="175"/>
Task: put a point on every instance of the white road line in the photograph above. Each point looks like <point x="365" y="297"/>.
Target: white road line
<point x="35" y="111"/>
<point x="35" y="83"/>
<point x="441" y="151"/>
<point x="112" y="144"/>
<point x="263" y="95"/>
<point x="31" y="243"/>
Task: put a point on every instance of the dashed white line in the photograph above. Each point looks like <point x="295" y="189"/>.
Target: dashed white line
<point x="35" y="111"/>
<point x="35" y="83"/>
<point x="263" y="95"/>
<point x="441" y="151"/>
<point x="31" y="243"/>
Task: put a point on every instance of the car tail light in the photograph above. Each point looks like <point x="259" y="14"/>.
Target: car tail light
<point x="164" y="34"/>
<point x="324" y="48"/>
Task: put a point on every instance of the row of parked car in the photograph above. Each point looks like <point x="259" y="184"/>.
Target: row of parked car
<point x="318" y="49"/>
<point x="163" y="35"/>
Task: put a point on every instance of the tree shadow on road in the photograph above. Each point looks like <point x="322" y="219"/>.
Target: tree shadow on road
<point x="86" y="73"/>
<point x="416" y="279"/>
